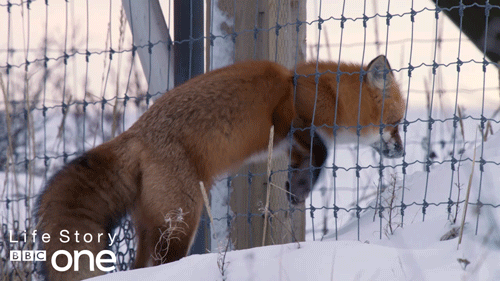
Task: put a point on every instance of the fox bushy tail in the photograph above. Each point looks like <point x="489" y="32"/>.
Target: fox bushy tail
<point x="80" y="207"/>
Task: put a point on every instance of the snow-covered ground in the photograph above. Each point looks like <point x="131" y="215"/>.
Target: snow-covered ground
<point x="327" y="260"/>
<point x="387" y="249"/>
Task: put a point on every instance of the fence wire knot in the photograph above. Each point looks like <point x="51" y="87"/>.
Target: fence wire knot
<point x="312" y="210"/>
<point x="320" y="23"/>
<point x="388" y="19"/>
<point x="336" y="210"/>
<point x="358" y="211"/>
<point x="450" y="204"/>
<point x="342" y="21"/>
<point x="459" y="64"/>
<point x="365" y="19"/>
<point x="424" y="206"/>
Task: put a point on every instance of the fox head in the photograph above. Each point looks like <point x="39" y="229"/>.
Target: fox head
<point x="369" y="101"/>
<point x="354" y="100"/>
<point x="389" y="103"/>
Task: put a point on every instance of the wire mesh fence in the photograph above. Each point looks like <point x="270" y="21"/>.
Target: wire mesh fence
<point x="70" y="80"/>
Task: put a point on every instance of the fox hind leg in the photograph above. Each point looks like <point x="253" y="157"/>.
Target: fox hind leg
<point x="167" y="215"/>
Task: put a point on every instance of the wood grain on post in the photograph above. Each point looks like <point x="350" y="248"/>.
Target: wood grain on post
<point x="248" y="196"/>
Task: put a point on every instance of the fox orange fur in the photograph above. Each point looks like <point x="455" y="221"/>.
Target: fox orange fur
<point x="372" y="108"/>
<point x="197" y="131"/>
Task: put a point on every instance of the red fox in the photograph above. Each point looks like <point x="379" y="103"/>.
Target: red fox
<point x="341" y="103"/>
<point x="195" y="132"/>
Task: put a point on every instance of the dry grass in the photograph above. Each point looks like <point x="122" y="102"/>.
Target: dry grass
<point x="391" y="202"/>
<point x="175" y="223"/>
<point x="269" y="158"/>
<point x="12" y="270"/>
<point x="464" y="213"/>
<point x="223" y="246"/>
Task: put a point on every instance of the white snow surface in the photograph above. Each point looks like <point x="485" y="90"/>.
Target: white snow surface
<point x="411" y="252"/>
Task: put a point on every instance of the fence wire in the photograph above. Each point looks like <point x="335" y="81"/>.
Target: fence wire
<point x="69" y="85"/>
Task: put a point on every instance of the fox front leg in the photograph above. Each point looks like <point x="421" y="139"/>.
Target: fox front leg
<point x="306" y="165"/>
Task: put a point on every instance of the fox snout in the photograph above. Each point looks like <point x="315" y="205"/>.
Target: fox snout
<point x="390" y="148"/>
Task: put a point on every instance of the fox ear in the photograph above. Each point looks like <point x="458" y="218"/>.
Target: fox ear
<point x="379" y="73"/>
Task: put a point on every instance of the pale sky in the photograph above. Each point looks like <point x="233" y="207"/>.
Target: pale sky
<point x="398" y="35"/>
<point x="68" y="22"/>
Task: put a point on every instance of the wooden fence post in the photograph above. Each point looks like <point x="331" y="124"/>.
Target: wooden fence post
<point x="286" y="47"/>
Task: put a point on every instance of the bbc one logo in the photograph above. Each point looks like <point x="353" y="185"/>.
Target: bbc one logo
<point x="73" y="259"/>
<point x="16" y="255"/>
